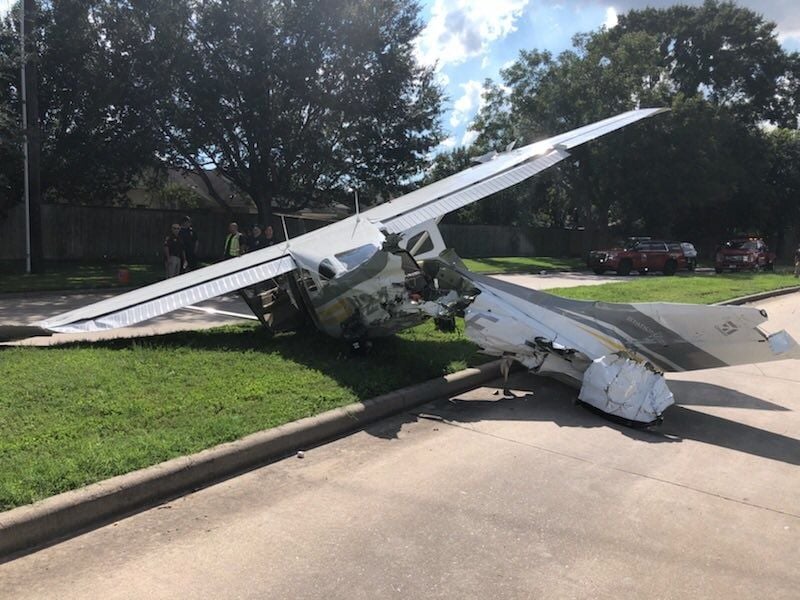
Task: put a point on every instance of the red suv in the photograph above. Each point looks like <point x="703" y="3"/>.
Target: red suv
<point x="750" y="253"/>
<point x="638" y="254"/>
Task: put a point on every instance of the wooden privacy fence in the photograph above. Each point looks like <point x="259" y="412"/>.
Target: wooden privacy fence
<point x="478" y="241"/>
<point x="137" y="235"/>
<point x="119" y="234"/>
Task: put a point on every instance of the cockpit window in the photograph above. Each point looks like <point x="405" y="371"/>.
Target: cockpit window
<point x="427" y="244"/>
<point x="352" y="258"/>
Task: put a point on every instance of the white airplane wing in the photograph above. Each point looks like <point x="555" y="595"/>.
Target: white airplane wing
<point x="421" y="206"/>
<point x="165" y="296"/>
<point x="498" y="173"/>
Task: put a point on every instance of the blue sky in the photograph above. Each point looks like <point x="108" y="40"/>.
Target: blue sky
<point x="471" y="40"/>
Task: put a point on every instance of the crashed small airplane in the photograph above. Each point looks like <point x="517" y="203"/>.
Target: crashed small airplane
<point x="386" y="269"/>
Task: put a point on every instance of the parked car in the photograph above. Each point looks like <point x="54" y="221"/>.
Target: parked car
<point x="689" y="253"/>
<point x="638" y="254"/>
<point x="749" y="253"/>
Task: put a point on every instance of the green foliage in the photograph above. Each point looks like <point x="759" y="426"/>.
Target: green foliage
<point x="96" y="114"/>
<point x="702" y="171"/>
<point x="10" y="120"/>
<point x="292" y="101"/>
<point x="725" y="53"/>
<point x="300" y="101"/>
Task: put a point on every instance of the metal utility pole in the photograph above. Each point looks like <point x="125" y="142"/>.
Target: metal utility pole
<point x="32" y="142"/>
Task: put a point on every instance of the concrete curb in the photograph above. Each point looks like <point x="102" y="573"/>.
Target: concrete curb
<point x="27" y="527"/>
<point x="759" y="296"/>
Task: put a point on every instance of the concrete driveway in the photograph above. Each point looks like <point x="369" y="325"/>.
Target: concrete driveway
<point x="482" y="496"/>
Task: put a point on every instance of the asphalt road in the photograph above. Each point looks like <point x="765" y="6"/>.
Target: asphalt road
<point x="483" y="496"/>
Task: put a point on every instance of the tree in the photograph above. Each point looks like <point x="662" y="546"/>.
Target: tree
<point x="549" y="95"/>
<point x="300" y="101"/>
<point x="781" y="205"/>
<point x="724" y="53"/>
<point x="693" y="172"/>
<point x="10" y="125"/>
<point x="99" y="65"/>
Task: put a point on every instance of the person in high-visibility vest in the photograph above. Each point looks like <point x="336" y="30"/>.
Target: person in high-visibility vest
<point x="233" y="242"/>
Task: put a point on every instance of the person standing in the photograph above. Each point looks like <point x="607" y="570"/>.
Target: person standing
<point x="174" y="255"/>
<point x="270" y="235"/>
<point x="233" y="242"/>
<point x="258" y="241"/>
<point x="797" y="262"/>
<point x="191" y="244"/>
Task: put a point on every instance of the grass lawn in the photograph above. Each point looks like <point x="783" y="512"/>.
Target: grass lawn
<point x="76" y="414"/>
<point x="522" y="264"/>
<point x="695" y="289"/>
<point x="72" y="276"/>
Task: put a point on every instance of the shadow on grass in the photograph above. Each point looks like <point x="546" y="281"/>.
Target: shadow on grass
<point x="393" y="362"/>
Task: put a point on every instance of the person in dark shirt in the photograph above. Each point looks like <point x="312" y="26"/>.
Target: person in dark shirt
<point x="797" y="262"/>
<point x="270" y="235"/>
<point x="174" y="255"/>
<point x="191" y="244"/>
<point x="258" y="241"/>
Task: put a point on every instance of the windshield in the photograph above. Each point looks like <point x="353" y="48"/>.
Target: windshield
<point x="352" y="258"/>
<point x="742" y="245"/>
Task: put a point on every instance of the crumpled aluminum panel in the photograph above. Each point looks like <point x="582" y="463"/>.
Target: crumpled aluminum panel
<point x="140" y="308"/>
<point x="625" y="388"/>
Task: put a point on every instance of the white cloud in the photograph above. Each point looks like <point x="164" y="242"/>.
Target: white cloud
<point x="468" y="104"/>
<point x="485" y="62"/>
<point x="469" y="137"/>
<point x="448" y="144"/>
<point x="5" y="5"/>
<point x="611" y="18"/>
<point x="461" y="29"/>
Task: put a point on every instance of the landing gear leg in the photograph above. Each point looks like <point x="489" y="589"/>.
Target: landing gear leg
<point x="505" y="369"/>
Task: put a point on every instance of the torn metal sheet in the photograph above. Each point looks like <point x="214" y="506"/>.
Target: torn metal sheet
<point x="625" y="388"/>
